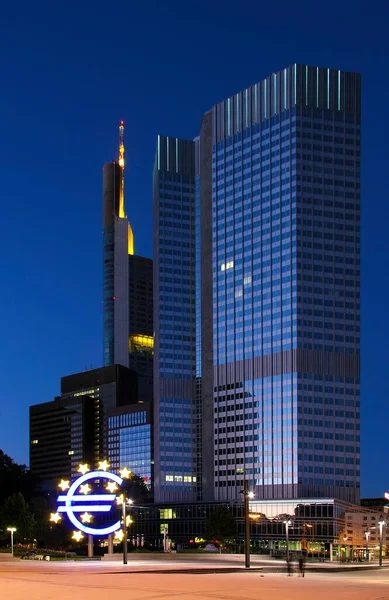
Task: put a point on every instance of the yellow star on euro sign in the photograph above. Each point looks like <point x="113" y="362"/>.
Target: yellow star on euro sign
<point x="85" y="489"/>
<point x="125" y="473"/>
<point x="119" y="535"/>
<point x="83" y="469"/>
<point x="112" y="487"/>
<point x="77" y="535"/>
<point x="104" y="465"/>
<point x="55" y="517"/>
<point x="119" y="499"/>
<point x="128" y="520"/>
<point x="64" y="484"/>
<point x="86" y="517"/>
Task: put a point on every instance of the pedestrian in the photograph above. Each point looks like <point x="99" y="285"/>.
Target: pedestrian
<point x="302" y="566"/>
<point x="290" y="566"/>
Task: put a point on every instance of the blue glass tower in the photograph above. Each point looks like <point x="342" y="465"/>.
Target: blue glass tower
<point x="279" y="176"/>
<point x="175" y="449"/>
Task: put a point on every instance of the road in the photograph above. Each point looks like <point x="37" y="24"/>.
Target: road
<point x="98" y="581"/>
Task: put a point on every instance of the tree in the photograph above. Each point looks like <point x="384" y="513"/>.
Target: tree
<point x="15" y="513"/>
<point x="15" y="478"/>
<point x="136" y="489"/>
<point x="220" y="525"/>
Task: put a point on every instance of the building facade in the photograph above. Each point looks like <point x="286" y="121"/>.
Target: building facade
<point x="130" y="439"/>
<point x="73" y="428"/>
<point x="361" y="533"/>
<point x="140" y="323"/>
<point x="280" y="175"/>
<point x="128" y="285"/>
<point x="63" y="434"/>
<point x="175" y="447"/>
<point x="117" y="238"/>
<point x="315" y="527"/>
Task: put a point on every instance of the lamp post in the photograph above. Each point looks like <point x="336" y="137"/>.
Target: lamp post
<point x="304" y="532"/>
<point x="381" y="523"/>
<point x="124" y="502"/>
<point x="367" y="535"/>
<point x="247" y="495"/>
<point x="12" y="531"/>
<point x="287" y="525"/>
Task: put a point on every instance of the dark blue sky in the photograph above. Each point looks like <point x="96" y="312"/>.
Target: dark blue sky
<point x="69" y="71"/>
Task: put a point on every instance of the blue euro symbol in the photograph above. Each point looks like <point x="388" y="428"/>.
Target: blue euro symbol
<point x="73" y="502"/>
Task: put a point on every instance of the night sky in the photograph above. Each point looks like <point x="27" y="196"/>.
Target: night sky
<point x="69" y="71"/>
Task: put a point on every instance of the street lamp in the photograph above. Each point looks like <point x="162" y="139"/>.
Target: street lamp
<point x="124" y="501"/>
<point x="12" y="531"/>
<point x="287" y="525"/>
<point x="381" y="523"/>
<point x="367" y="535"/>
<point x="247" y="495"/>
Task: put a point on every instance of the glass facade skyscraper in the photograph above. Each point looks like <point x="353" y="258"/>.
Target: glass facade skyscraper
<point x="130" y="439"/>
<point x="175" y="448"/>
<point x="270" y="221"/>
<point x="280" y="175"/>
<point x="140" y="322"/>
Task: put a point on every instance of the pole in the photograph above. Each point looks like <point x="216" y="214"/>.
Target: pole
<point x="381" y="523"/>
<point x="90" y="546"/>
<point x="246" y="524"/>
<point x="367" y="533"/>
<point x="12" y="543"/>
<point x="125" y="549"/>
<point x="287" y="540"/>
<point x="164" y="539"/>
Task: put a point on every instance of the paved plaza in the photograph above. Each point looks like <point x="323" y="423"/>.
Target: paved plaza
<point x="23" y="580"/>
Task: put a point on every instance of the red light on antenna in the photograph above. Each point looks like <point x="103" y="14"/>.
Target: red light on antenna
<point x="113" y="297"/>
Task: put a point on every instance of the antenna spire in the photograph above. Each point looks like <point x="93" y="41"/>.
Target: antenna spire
<point x="121" y="165"/>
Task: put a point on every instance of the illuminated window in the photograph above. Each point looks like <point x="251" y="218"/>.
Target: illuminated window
<point x="246" y="280"/>
<point x="144" y="343"/>
<point x="34" y="442"/>
<point x="71" y="452"/>
<point x="167" y="513"/>
<point x="169" y="478"/>
<point x="86" y="393"/>
<point x="226" y="266"/>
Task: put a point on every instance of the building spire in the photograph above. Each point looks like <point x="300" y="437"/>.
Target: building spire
<point x="122" y="214"/>
<point x="121" y="165"/>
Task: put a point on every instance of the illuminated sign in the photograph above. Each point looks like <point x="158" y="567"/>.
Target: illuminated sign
<point x="86" y="503"/>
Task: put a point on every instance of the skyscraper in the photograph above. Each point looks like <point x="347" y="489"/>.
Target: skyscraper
<point x="128" y="284"/>
<point x="118" y="242"/>
<point x="175" y="449"/>
<point x="279" y="176"/>
<point x="73" y="428"/>
<point x="140" y="322"/>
